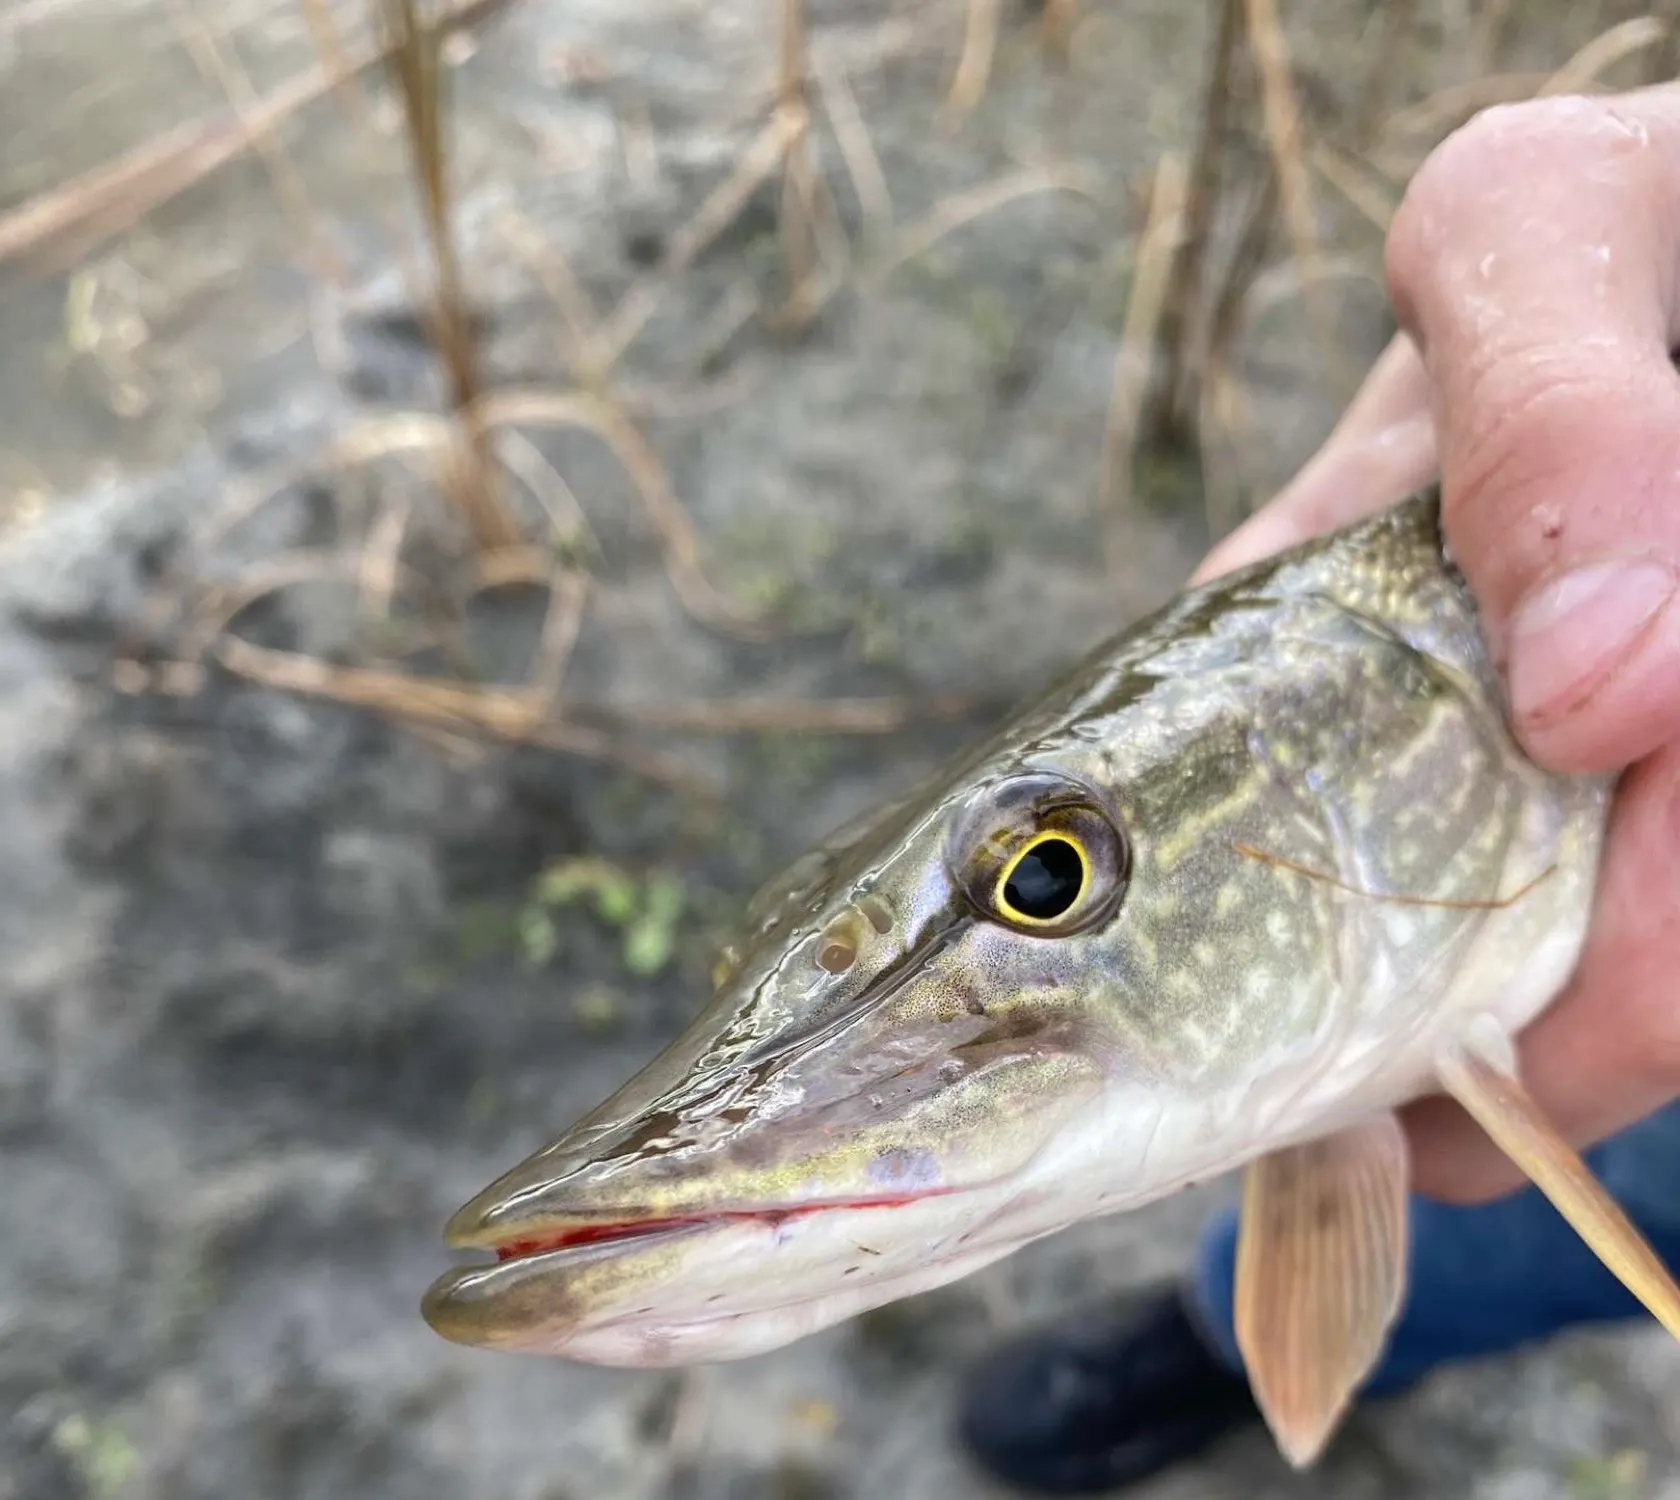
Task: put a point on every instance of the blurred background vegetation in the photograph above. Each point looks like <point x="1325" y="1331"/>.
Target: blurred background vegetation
<point x="484" y="484"/>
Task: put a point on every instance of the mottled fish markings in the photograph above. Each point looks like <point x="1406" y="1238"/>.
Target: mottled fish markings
<point x="1253" y="873"/>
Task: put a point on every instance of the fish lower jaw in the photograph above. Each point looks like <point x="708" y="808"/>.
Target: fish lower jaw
<point x="721" y="1289"/>
<point x="655" y="1342"/>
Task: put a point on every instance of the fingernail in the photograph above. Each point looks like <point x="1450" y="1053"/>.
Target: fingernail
<point x="1571" y="632"/>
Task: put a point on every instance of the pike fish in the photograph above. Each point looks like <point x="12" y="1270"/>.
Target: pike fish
<point x="1260" y="870"/>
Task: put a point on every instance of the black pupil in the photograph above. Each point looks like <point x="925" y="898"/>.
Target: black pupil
<point x="1046" y="880"/>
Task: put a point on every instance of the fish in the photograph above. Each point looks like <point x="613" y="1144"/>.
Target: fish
<point x="1253" y="874"/>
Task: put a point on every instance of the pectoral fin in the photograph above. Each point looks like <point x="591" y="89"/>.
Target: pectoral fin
<point x="1321" y="1268"/>
<point x="1490" y="1090"/>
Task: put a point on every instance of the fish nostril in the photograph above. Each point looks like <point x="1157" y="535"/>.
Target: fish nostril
<point x="836" y="955"/>
<point x="837" y="949"/>
<point x="876" y="909"/>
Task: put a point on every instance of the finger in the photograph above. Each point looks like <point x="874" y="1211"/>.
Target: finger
<point x="1382" y="449"/>
<point x="1608" y="1052"/>
<point x="1534" y="261"/>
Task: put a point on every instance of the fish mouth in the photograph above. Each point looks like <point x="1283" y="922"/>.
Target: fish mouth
<point x="523" y="1243"/>
<point x="552" y="1285"/>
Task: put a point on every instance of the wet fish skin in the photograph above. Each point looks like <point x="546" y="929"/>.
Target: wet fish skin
<point x="1304" y="820"/>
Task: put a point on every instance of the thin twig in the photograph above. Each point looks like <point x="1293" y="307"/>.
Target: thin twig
<point x="624" y="324"/>
<point x="76" y="217"/>
<point x="437" y="703"/>
<point x="974" y="65"/>
<point x="863" y="165"/>
<point x="1169" y="398"/>
<point x="584" y="409"/>
<point x="1137" y="341"/>
<point x="798" y="232"/>
<point x="415" y="49"/>
<point x="222" y="68"/>
<point x="1280" y="108"/>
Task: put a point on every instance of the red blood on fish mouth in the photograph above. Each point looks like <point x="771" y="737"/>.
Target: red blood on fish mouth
<point x="594" y="1234"/>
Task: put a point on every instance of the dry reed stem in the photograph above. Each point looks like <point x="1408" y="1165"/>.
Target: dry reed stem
<point x="1162" y="228"/>
<point x="581" y="343"/>
<point x="1219" y="391"/>
<point x="440" y="704"/>
<point x="378" y="571"/>
<point x="680" y="544"/>
<point x="417" y="63"/>
<point x="221" y="67"/>
<point x="568" y="596"/>
<point x="1397" y="18"/>
<point x="950" y="214"/>
<point x="797" y="226"/>
<point x="624" y="324"/>
<point x="1165" y="408"/>
<point x="1603" y="52"/>
<point x="1281" y="113"/>
<point x="329" y="46"/>
<point x="218" y="606"/>
<point x="548" y="487"/>
<point x="1366" y="189"/>
<point x="1445" y="109"/>
<point x="857" y="151"/>
<point x="974" y="65"/>
<point x="1409" y="134"/>
<point x="73" y="219"/>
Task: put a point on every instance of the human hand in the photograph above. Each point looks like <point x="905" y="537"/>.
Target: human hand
<point x="1535" y="268"/>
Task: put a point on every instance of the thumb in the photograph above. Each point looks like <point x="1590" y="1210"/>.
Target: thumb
<point x="1533" y="262"/>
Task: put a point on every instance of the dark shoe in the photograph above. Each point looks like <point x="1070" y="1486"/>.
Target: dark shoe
<point x="1101" y="1402"/>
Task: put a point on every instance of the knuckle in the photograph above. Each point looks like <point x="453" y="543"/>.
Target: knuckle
<point x="1502" y="160"/>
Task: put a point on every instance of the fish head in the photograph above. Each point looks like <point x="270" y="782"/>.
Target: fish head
<point x="1124" y="945"/>
<point x="882" y="1093"/>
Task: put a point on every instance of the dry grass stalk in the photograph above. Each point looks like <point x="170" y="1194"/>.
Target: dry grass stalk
<point x="581" y="340"/>
<point x="798" y="231"/>
<point x="1137" y="341"/>
<point x="851" y="135"/>
<point x="1219" y="398"/>
<point x="378" y="573"/>
<point x="335" y="59"/>
<point x="951" y="213"/>
<point x="1584" y="70"/>
<point x="414" y="45"/>
<point x="679" y="541"/>
<point x="1285" y="137"/>
<point x="1369" y="192"/>
<point x="1396" y="18"/>
<point x="222" y="68"/>
<point x="624" y="324"/>
<point x="974" y="64"/>
<point x="1170" y="399"/>
<point x="1409" y="134"/>
<point x="70" y="221"/>
<point x="507" y="714"/>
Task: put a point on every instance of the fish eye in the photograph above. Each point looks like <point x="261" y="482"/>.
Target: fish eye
<point x="1042" y="880"/>
<point x="1039" y="853"/>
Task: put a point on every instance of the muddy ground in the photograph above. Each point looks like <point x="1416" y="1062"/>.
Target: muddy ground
<point x="277" y="993"/>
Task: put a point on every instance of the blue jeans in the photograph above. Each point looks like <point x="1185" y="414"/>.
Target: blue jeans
<point x="1490" y="1278"/>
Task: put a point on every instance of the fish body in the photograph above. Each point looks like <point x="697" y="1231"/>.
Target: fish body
<point x="1238" y="883"/>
